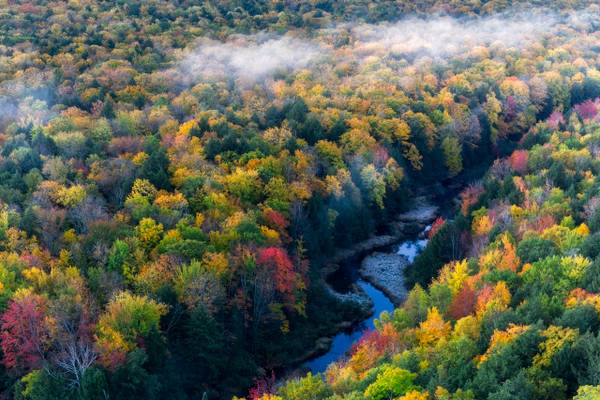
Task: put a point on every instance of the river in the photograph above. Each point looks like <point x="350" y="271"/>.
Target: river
<point x="342" y="280"/>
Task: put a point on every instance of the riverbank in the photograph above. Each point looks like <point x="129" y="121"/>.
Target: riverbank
<point x="380" y="268"/>
<point x="343" y="341"/>
<point x="404" y="225"/>
<point x="385" y="270"/>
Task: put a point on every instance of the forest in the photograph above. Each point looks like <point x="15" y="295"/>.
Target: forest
<point x="175" y="176"/>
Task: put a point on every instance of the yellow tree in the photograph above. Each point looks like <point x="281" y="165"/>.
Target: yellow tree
<point x="433" y="329"/>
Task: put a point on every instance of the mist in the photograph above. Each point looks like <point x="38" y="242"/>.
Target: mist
<point x="443" y="36"/>
<point x="249" y="58"/>
<point x="252" y="58"/>
<point x="25" y="100"/>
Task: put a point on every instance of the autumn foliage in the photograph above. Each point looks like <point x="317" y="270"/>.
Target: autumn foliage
<point x="25" y="333"/>
<point x="518" y="161"/>
<point x="469" y="197"/>
<point x="463" y="303"/>
<point x="176" y="176"/>
<point x="481" y="312"/>
<point x="284" y="275"/>
<point x="436" y="226"/>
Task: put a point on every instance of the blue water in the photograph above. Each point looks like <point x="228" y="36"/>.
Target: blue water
<point x="410" y="249"/>
<point x="343" y="341"/>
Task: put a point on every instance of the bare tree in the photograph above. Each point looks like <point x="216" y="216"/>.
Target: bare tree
<point x="76" y="356"/>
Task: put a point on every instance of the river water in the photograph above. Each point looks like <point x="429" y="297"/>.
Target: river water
<point x="344" y="340"/>
<point x="341" y="281"/>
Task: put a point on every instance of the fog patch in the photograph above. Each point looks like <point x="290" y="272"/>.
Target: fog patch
<point x="444" y="36"/>
<point x="25" y="100"/>
<point x="248" y="58"/>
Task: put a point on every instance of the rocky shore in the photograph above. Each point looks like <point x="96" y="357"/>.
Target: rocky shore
<point x="356" y="295"/>
<point x="364" y="247"/>
<point x="385" y="271"/>
<point x="405" y="224"/>
<point x="413" y="221"/>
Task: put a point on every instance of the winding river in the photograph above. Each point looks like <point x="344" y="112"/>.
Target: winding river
<point x="342" y="280"/>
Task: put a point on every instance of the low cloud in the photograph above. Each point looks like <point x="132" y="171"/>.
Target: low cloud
<point x="25" y="100"/>
<point x="447" y="36"/>
<point x="248" y="58"/>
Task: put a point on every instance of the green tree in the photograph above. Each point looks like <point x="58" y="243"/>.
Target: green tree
<point x="588" y="393"/>
<point x="127" y="319"/>
<point x="311" y="387"/>
<point x="39" y="385"/>
<point x="452" y="150"/>
<point x="155" y="167"/>
<point x="391" y="382"/>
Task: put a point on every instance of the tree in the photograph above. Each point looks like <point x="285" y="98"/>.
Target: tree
<point x="463" y="303"/>
<point x="415" y="395"/>
<point x="452" y="155"/>
<point x="118" y="256"/>
<point x="587" y="392"/>
<point x="375" y="184"/>
<point x="330" y="155"/>
<point x="155" y="167"/>
<point x="39" y="385"/>
<point x="436" y="226"/>
<point x="132" y="381"/>
<point x="493" y="299"/>
<point x="391" y="382"/>
<point x="244" y="185"/>
<point x="198" y="287"/>
<point x="311" y="387"/>
<point x="263" y="388"/>
<point x="533" y="248"/>
<point x="469" y="197"/>
<point x="587" y="366"/>
<point x="285" y="278"/>
<point x="25" y="333"/>
<point x="204" y="349"/>
<point x="518" y="161"/>
<point x="587" y="110"/>
<point x="509" y="261"/>
<point x="149" y="232"/>
<point x="433" y="329"/>
<point x="127" y="319"/>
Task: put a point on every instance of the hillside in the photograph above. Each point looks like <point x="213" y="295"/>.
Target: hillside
<point x="175" y="176"/>
<point x="517" y="318"/>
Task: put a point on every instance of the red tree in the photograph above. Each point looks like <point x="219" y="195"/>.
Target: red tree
<point x="463" y="303"/>
<point x="278" y="260"/>
<point x="544" y="222"/>
<point x="436" y="226"/>
<point x="275" y="220"/>
<point x="381" y="156"/>
<point x="484" y="296"/>
<point x="518" y="161"/>
<point x="24" y="333"/>
<point x="469" y="196"/>
<point x="262" y="386"/>
<point x="375" y="340"/>
<point x="587" y="110"/>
